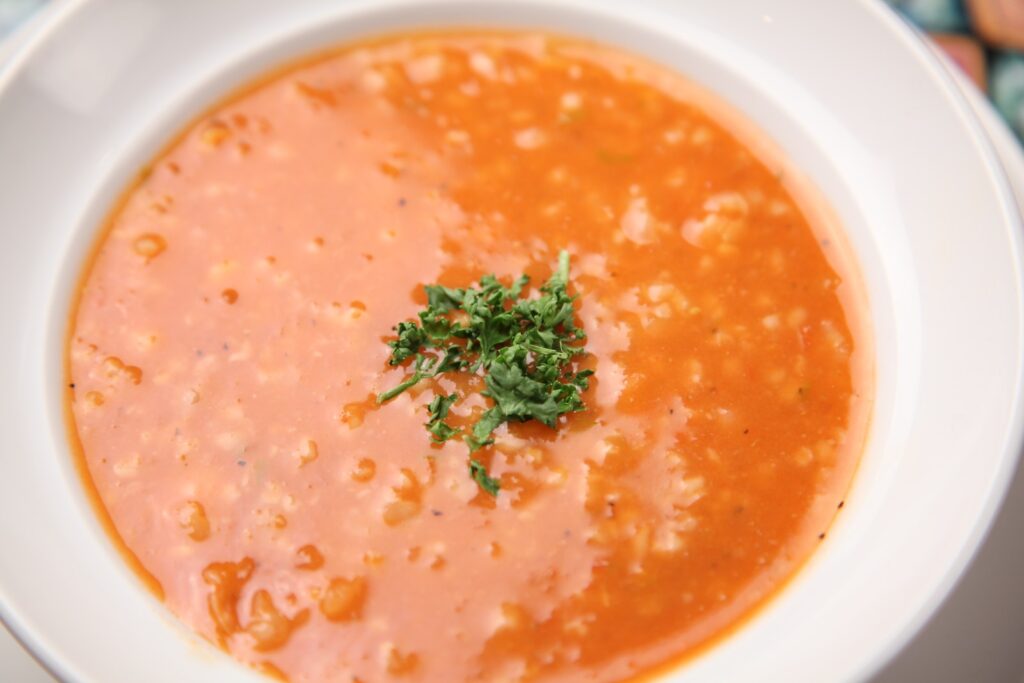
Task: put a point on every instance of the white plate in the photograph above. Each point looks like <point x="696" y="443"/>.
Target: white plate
<point x="883" y="133"/>
<point x="976" y="633"/>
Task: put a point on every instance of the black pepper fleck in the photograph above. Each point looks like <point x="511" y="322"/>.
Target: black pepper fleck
<point x="841" y="504"/>
<point x="821" y="536"/>
<point x="436" y="513"/>
<point x="401" y="201"/>
<point x="71" y="386"/>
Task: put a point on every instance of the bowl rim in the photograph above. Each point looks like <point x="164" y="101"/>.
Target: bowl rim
<point x="994" y="548"/>
<point x="39" y="29"/>
<point x="1013" y="448"/>
<point x="19" y="46"/>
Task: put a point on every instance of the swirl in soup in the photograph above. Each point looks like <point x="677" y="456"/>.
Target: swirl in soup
<point x="230" y="348"/>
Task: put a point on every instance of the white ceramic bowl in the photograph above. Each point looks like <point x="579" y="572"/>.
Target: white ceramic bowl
<point x="848" y="93"/>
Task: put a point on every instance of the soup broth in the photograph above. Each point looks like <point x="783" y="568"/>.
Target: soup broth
<point x="230" y="343"/>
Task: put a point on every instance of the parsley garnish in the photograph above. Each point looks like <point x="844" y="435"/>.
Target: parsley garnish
<point x="523" y="347"/>
<point x="486" y="482"/>
<point x="438" y="410"/>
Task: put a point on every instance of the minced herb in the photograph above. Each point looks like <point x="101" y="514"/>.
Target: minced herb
<point x="522" y="347"/>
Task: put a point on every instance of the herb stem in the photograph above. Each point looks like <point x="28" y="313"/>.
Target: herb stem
<point x="391" y="393"/>
<point x="562" y="274"/>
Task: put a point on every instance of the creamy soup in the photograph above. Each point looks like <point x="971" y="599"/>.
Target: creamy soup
<point x="230" y="347"/>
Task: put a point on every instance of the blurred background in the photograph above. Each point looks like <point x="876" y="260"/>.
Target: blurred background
<point x="985" y="38"/>
<point x="978" y="634"/>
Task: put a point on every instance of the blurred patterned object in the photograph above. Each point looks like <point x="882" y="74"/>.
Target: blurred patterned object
<point x="966" y="53"/>
<point x="999" y="22"/>
<point x="940" y="16"/>
<point x="985" y="38"/>
<point x="1007" y="88"/>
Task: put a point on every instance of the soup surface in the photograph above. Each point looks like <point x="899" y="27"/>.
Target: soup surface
<point x="230" y="342"/>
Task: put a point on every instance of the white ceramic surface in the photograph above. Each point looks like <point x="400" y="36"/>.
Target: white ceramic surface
<point x="97" y="88"/>
<point x="977" y="632"/>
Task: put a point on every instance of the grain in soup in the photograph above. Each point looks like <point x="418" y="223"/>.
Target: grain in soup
<point x="229" y="345"/>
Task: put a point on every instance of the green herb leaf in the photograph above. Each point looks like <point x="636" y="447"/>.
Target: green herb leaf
<point x="438" y="410"/>
<point x="519" y="396"/>
<point x="486" y="482"/>
<point x="481" y="434"/>
<point x="410" y="338"/>
<point x="523" y="347"/>
<point x="443" y="299"/>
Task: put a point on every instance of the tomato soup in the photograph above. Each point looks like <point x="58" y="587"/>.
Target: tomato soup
<point x="230" y="342"/>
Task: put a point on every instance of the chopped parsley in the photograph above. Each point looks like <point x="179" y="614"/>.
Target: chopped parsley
<point x="523" y="348"/>
<point x="438" y="410"/>
<point x="486" y="481"/>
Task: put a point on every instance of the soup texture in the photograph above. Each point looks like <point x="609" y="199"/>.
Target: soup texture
<point x="229" y="345"/>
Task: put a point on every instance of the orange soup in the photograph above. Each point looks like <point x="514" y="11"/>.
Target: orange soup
<point x="230" y="347"/>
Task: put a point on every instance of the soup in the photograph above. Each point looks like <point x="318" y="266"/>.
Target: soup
<point x="237" y="371"/>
